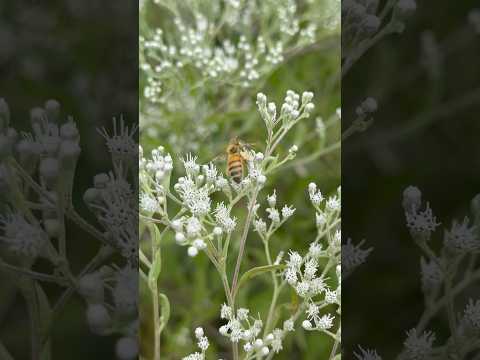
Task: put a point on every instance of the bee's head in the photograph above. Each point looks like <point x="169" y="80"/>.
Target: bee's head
<point x="234" y="145"/>
<point x="233" y="148"/>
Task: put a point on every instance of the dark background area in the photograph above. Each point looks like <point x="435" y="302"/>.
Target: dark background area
<point x="426" y="133"/>
<point x="83" y="54"/>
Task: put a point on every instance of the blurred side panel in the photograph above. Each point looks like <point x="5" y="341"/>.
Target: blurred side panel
<point x="411" y="179"/>
<point x="68" y="175"/>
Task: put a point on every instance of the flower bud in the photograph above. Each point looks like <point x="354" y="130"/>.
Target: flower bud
<point x="37" y="116"/>
<point x="90" y="286"/>
<point x="52" y="110"/>
<point x="192" y="251"/>
<point x="101" y="180"/>
<point x="126" y="348"/>
<point x="69" y="152"/>
<point x="49" y="170"/>
<point x="98" y="319"/>
<point x="199" y="332"/>
<point x="91" y="196"/>
<point x="412" y="199"/>
<point x="28" y="154"/>
<point x="69" y="131"/>
<point x="180" y="238"/>
<point x="405" y="8"/>
<point x="52" y="227"/>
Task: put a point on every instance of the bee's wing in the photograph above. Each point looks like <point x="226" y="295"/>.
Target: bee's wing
<point x="247" y="154"/>
<point x="219" y="157"/>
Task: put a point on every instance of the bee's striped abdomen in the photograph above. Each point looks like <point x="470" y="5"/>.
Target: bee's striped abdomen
<point x="235" y="167"/>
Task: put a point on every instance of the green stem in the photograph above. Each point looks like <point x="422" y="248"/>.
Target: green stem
<point x="243" y="239"/>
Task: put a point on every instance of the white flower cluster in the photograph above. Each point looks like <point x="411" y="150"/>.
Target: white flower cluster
<point x="214" y="48"/>
<point x="37" y="173"/>
<point x="241" y="327"/>
<point x="122" y="284"/>
<point x="292" y="110"/>
<point x="22" y="238"/>
<point x="193" y="42"/>
<point x="277" y="217"/>
<point x="304" y="273"/>
<point x="438" y="269"/>
<point x="421" y="223"/>
<point x="202" y="343"/>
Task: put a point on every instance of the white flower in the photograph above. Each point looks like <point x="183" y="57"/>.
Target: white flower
<point x="193" y="226"/>
<point x="224" y="330"/>
<point x="325" y="322"/>
<point x="310" y="269"/>
<point x="316" y="197"/>
<point x="295" y="260"/>
<point x="367" y="354"/>
<point x="260" y="226"/>
<point x="333" y="204"/>
<point x="180" y="238"/>
<point x="190" y="164"/>
<point x="330" y="296"/>
<point x="288" y="325"/>
<point x="293" y="149"/>
<point x="192" y="251"/>
<point x="210" y="172"/>
<point x="312" y="311"/>
<point x="199" y="244"/>
<point x="419" y="346"/>
<point x="307" y="325"/>
<point x="223" y="218"/>
<point x="421" y="222"/>
<point x="461" y="237"/>
<point x="290" y="276"/>
<point x="242" y="314"/>
<point x="317" y="286"/>
<point x="199" y="332"/>
<point x="21" y="237"/>
<point x="472" y="313"/>
<point x="148" y="203"/>
<point x="315" y="250"/>
<point x="226" y="312"/>
<point x="302" y="288"/>
<point x="272" y="199"/>
<point x="287" y="211"/>
<point x="203" y="343"/>
<point x="273" y="215"/>
<point x="197" y="200"/>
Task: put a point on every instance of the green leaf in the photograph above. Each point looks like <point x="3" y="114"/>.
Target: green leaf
<point x="164" y="310"/>
<point x="257" y="271"/>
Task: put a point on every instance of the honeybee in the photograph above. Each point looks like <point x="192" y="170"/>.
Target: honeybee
<point x="237" y="154"/>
